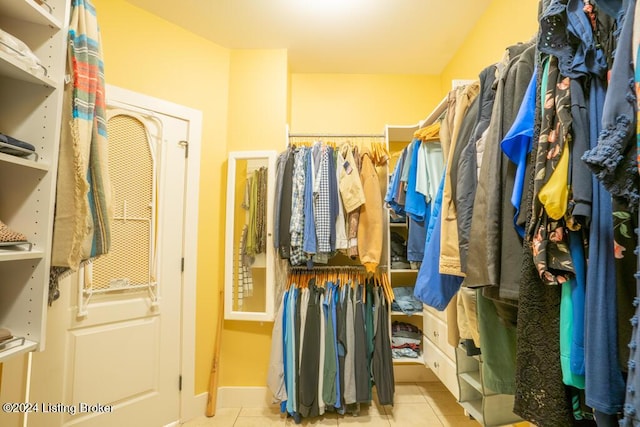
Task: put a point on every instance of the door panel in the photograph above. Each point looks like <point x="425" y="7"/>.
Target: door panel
<point x="133" y="376"/>
<point x="117" y="335"/>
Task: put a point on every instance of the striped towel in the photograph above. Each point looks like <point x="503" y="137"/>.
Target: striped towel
<point x="83" y="199"/>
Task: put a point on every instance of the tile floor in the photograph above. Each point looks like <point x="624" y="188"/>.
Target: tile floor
<point x="425" y="404"/>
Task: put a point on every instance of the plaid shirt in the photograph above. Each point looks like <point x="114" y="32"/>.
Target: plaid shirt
<point x="321" y="204"/>
<point x="297" y="256"/>
<point x="297" y="198"/>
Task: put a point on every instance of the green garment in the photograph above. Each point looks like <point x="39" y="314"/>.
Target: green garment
<point x="566" y="335"/>
<point x="498" y="345"/>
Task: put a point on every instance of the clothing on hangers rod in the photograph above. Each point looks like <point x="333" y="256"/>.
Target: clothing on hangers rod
<point x="333" y="267"/>
<point x="329" y="267"/>
<point x="334" y="135"/>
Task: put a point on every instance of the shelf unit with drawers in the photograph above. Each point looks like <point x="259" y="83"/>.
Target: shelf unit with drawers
<point x="397" y="138"/>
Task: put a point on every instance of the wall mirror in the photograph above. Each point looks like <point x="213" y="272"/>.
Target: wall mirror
<point x="249" y="251"/>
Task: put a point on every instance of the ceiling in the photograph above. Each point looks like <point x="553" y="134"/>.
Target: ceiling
<point x="333" y="36"/>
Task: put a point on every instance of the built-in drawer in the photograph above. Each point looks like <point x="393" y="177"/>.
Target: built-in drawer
<point x="435" y="330"/>
<point x="442" y="315"/>
<point x="443" y="367"/>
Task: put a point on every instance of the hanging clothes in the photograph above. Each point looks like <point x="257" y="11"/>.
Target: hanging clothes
<point x="297" y="220"/>
<point x="383" y="377"/>
<point x="613" y="159"/>
<point x="353" y="218"/>
<point x="331" y="343"/>
<point x="370" y="221"/>
<point x="449" y="249"/>
<point x="469" y="163"/>
<point x="284" y="205"/>
<point x="321" y="193"/>
<point x="432" y="287"/>
<point x="416" y="206"/>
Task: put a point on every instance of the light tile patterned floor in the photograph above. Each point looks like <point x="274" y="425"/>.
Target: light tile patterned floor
<point x="416" y="405"/>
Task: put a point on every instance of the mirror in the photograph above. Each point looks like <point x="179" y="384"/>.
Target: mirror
<point x="249" y="251"/>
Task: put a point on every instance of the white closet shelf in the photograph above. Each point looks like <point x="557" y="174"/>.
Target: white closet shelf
<point x="408" y="361"/>
<point x="25" y="347"/>
<point x="400" y="133"/>
<point x="17" y="255"/>
<point x="30" y="11"/>
<point x="11" y="67"/>
<point x="21" y="161"/>
<point x="400" y="313"/>
<point x="403" y="270"/>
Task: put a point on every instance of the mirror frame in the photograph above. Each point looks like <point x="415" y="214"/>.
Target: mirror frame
<point x="269" y="313"/>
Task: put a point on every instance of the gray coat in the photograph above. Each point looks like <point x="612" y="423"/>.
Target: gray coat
<point x="493" y="240"/>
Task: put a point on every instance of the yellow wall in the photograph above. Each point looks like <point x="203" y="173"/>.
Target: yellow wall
<point x="359" y="103"/>
<point x="149" y="55"/>
<point x="258" y="98"/>
<point x="504" y="22"/>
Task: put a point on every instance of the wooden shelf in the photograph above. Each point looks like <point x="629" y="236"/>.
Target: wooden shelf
<point x="402" y="270"/>
<point x="400" y="313"/>
<point x="408" y="361"/>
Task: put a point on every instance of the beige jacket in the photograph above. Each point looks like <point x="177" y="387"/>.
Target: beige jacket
<point x="449" y="247"/>
<point x="370" y="225"/>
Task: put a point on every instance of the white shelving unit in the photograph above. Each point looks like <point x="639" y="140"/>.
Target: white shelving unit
<point x="31" y="112"/>
<point x="437" y="354"/>
<point x="398" y="137"/>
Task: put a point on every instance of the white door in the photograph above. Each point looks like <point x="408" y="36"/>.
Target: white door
<point x="114" y="336"/>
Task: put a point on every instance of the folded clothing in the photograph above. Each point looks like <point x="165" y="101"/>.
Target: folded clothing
<point x="397" y="326"/>
<point x="21" y="146"/>
<point x="397" y="353"/>
<point x="405" y="301"/>
<point x="399" y="342"/>
<point x="407" y="334"/>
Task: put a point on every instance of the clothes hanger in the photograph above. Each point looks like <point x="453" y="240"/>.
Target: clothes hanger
<point x="388" y="290"/>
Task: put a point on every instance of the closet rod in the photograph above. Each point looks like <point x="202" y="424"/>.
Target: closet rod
<point x="334" y="135"/>
<point x="332" y="267"/>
